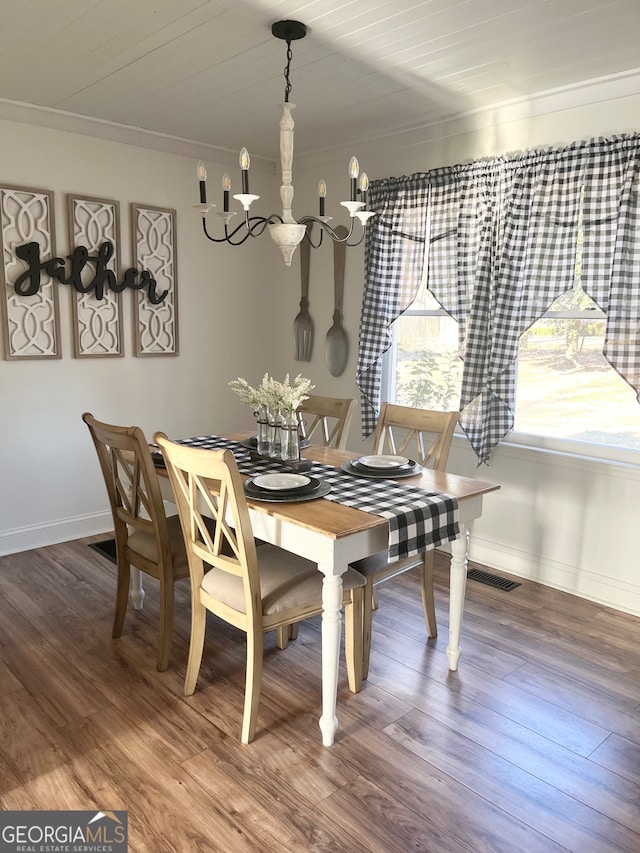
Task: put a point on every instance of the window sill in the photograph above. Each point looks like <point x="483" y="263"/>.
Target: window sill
<point x="579" y="449"/>
<point x="513" y="459"/>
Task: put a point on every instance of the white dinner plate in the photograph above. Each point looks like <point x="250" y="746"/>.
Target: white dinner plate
<point x="277" y="482"/>
<point x="381" y="461"/>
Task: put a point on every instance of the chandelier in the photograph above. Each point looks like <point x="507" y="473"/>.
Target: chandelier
<point x="286" y="232"/>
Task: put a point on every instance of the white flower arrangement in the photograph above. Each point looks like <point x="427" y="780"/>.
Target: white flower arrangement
<point x="272" y="394"/>
<point x="293" y="394"/>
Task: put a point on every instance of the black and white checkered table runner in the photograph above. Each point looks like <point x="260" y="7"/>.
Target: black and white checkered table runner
<point x="418" y="520"/>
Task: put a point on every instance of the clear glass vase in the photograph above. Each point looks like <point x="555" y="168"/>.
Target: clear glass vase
<point x="290" y="441"/>
<point x="262" y="437"/>
<point x="275" y="439"/>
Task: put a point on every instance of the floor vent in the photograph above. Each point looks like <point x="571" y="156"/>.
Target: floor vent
<point x="107" y="548"/>
<point x="492" y="580"/>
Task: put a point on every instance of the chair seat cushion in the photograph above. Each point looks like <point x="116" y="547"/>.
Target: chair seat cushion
<point x="145" y="544"/>
<point x="286" y="582"/>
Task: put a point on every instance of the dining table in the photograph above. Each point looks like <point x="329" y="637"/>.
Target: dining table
<point x="333" y="534"/>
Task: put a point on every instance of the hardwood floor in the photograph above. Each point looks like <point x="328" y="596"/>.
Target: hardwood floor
<point x="533" y="745"/>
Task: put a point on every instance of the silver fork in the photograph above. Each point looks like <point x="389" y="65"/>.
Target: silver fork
<point x="303" y="324"/>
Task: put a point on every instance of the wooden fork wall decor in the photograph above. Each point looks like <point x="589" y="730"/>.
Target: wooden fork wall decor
<point x="303" y="323"/>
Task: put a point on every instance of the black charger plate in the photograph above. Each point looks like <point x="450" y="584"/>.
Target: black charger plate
<point x="381" y="474"/>
<point x="315" y="489"/>
<point x="410" y="465"/>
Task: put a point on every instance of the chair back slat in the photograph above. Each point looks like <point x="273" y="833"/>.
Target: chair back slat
<point x="331" y="419"/>
<point x="401" y="428"/>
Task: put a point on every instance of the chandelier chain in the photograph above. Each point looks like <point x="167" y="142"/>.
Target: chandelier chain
<point x="288" y="87"/>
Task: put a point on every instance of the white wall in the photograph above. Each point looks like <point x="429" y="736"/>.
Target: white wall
<point x="564" y="521"/>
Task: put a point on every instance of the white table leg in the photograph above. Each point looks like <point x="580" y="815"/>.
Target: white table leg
<point x="136" y="592"/>
<point x="457" y="586"/>
<point x="331" y="622"/>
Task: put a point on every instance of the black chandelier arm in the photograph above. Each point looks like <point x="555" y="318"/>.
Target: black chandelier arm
<point x="254" y="226"/>
<point x="227" y="237"/>
<point x="351" y="245"/>
<point x="311" y="220"/>
<point x="261" y="222"/>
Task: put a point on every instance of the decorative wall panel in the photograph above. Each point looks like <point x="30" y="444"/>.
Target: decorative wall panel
<point x="97" y="323"/>
<point x="31" y="324"/>
<point x="154" y="241"/>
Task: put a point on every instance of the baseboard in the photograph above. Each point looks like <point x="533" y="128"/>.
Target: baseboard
<point x="608" y="591"/>
<point x="51" y="533"/>
<point x="590" y="585"/>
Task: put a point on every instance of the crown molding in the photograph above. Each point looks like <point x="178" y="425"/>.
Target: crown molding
<point x="87" y="126"/>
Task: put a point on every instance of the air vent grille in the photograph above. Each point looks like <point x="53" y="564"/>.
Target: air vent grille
<point x="492" y="580"/>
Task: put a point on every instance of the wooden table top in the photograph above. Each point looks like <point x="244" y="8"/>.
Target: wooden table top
<point x="337" y="520"/>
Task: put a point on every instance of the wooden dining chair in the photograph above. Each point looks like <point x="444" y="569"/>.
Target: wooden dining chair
<point x="425" y="435"/>
<point x="331" y="420"/>
<point x="145" y="537"/>
<point x="256" y="590"/>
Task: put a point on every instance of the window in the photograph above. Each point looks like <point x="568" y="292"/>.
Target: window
<point x="566" y="390"/>
<point x="565" y="387"/>
<point x="424" y="366"/>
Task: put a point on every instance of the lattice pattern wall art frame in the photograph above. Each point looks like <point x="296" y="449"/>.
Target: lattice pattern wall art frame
<point x="97" y="323"/>
<point x="31" y="324"/>
<point x="154" y="243"/>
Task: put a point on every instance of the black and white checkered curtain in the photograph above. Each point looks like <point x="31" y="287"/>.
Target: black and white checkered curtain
<point x="394" y="260"/>
<point x="503" y="241"/>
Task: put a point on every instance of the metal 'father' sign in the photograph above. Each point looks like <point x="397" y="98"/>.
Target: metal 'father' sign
<point x="28" y="283"/>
